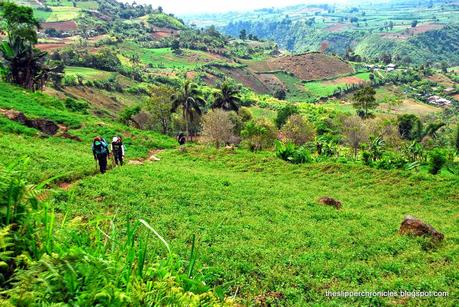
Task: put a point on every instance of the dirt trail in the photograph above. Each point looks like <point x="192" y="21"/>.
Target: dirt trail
<point x="67" y="185"/>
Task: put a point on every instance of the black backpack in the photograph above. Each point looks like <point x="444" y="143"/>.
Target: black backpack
<point x="117" y="147"/>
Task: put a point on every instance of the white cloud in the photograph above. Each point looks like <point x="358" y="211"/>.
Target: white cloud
<point x="181" y="7"/>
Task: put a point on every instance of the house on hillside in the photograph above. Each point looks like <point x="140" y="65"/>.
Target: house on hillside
<point x="391" y="67"/>
<point x="439" y="101"/>
<point x="449" y="90"/>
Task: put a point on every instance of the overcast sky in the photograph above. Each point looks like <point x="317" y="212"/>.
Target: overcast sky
<point x="185" y="7"/>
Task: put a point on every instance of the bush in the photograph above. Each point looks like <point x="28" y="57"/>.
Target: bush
<point x="298" y="130"/>
<point x="289" y="152"/>
<point x="77" y="105"/>
<point x="366" y="158"/>
<point x="408" y="126"/>
<point x="437" y="161"/>
<point x="284" y="113"/>
<point x="128" y="113"/>
<point x="259" y="134"/>
<point x="390" y="161"/>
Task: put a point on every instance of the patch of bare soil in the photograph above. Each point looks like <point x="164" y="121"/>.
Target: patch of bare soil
<point x="65" y="185"/>
<point x="308" y="66"/>
<point x="441" y="79"/>
<point x="337" y="27"/>
<point x="247" y="78"/>
<point x="345" y="80"/>
<point x="159" y="33"/>
<point x="50" y="47"/>
<point x="64" y="26"/>
<point x="96" y="97"/>
<point x="272" y="81"/>
<point x="151" y="158"/>
<point x="410" y="32"/>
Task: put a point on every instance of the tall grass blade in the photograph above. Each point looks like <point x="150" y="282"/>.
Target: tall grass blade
<point x="156" y="233"/>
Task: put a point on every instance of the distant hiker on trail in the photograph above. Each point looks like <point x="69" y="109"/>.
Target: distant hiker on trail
<point x="100" y="151"/>
<point x="181" y="138"/>
<point x="118" y="150"/>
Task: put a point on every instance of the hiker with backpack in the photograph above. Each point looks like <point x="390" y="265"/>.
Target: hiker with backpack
<point x="181" y="139"/>
<point x="118" y="150"/>
<point x="101" y="153"/>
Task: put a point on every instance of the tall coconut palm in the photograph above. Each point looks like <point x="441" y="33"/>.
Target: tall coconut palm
<point x="227" y="98"/>
<point x="189" y="98"/>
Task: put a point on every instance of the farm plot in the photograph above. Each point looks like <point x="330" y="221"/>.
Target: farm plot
<point x="309" y="66"/>
<point x="87" y="73"/>
<point x="63" y="13"/>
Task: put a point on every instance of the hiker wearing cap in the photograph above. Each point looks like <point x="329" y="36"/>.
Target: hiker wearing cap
<point x="101" y="152"/>
<point x="118" y="150"/>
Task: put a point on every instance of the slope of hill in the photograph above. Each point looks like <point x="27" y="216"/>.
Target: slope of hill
<point x="309" y="66"/>
<point x="435" y="45"/>
<point x="337" y="28"/>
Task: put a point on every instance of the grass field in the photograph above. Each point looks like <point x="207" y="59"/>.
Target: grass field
<point x="391" y="101"/>
<point x="296" y="91"/>
<point x="63" y="13"/>
<point x="314" y="90"/>
<point x="328" y="87"/>
<point x="87" y="73"/>
<point x="165" y="58"/>
<point x="260" y="229"/>
<point x="41" y="15"/>
<point x="263" y="113"/>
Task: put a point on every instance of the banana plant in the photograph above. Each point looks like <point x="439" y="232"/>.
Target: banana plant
<point x="25" y="65"/>
<point x="377" y="148"/>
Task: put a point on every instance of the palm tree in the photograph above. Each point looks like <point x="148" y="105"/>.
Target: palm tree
<point x="189" y="98"/>
<point x="227" y="98"/>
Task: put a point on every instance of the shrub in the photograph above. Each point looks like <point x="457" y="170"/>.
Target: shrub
<point x="217" y="127"/>
<point x="366" y="158"/>
<point x="391" y="161"/>
<point x="77" y="105"/>
<point x="284" y="113"/>
<point x="408" y="126"/>
<point x="437" y="161"/>
<point x="259" y="134"/>
<point x="289" y="152"/>
<point x="298" y="130"/>
<point x="246" y="115"/>
<point x="280" y="94"/>
<point x="128" y="113"/>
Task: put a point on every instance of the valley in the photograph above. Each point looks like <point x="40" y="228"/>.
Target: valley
<point x="271" y="157"/>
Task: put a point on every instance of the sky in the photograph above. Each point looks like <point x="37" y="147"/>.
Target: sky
<point x="187" y="7"/>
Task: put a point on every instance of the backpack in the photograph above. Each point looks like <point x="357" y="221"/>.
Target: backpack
<point x="117" y="147"/>
<point x="100" y="147"/>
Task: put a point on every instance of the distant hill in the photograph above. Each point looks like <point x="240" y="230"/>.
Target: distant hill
<point x="410" y="30"/>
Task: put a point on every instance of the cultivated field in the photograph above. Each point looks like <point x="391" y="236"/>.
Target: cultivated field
<point x="309" y="66"/>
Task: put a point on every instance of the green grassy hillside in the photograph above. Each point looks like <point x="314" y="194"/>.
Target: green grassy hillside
<point x="53" y="156"/>
<point x="260" y="228"/>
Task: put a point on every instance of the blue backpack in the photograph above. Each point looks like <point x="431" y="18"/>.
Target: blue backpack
<point x="100" y="147"/>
